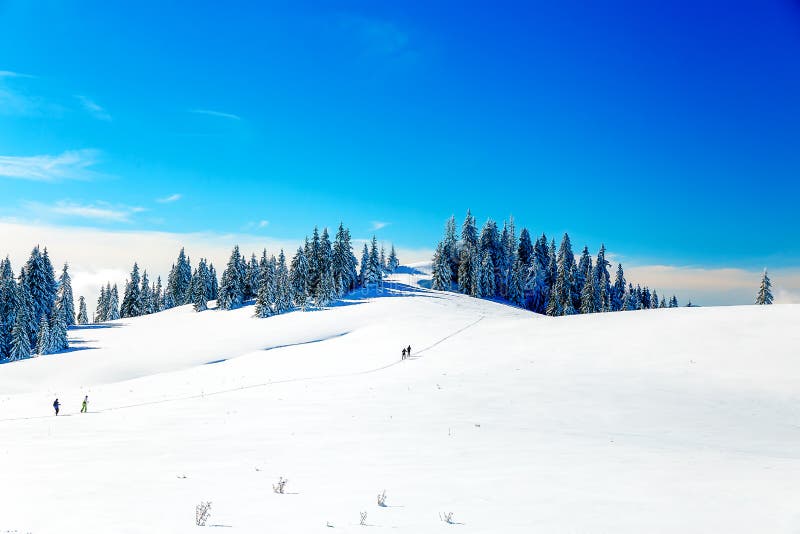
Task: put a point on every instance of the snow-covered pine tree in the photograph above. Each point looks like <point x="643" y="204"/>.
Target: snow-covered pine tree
<point x="508" y="256"/>
<point x="83" y="316"/>
<point x="39" y="278"/>
<point x="382" y="260"/>
<point x="213" y="283"/>
<point x="537" y="293"/>
<point x="631" y="301"/>
<point x="8" y="306"/>
<point x="20" y="337"/>
<point x="764" y="295"/>
<point x="158" y="295"/>
<point x="283" y="287"/>
<point x="673" y="302"/>
<point x="374" y="274"/>
<point x="43" y="342"/>
<point x="102" y="304"/>
<point x="490" y="243"/>
<point x="312" y="253"/>
<point x="58" y="330"/>
<point x="450" y="244"/>
<point x="394" y="263"/>
<point x="344" y="262"/>
<point x="654" y="300"/>
<point x="584" y="264"/>
<point x="441" y="275"/>
<point x="486" y="277"/>
<point x="469" y="232"/>
<point x="663" y="303"/>
<point x="199" y="285"/>
<point x="325" y="254"/>
<point x="266" y="299"/>
<point x="326" y="292"/>
<point x="525" y="248"/>
<point x="231" y="289"/>
<point x="602" y="280"/>
<point x="516" y="286"/>
<point x="588" y="292"/>
<point x="565" y="278"/>
<point x="180" y="276"/>
<point x="251" y="278"/>
<point x="467" y="270"/>
<point x="132" y="305"/>
<point x="146" y="294"/>
<point x="64" y="295"/>
<point x="363" y="271"/>
<point x="617" y="301"/>
<point x="299" y="277"/>
<point x="112" y="309"/>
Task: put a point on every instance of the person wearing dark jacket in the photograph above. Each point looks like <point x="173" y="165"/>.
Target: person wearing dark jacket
<point x="404" y="353"/>
<point x="56" y="405"/>
<point x="408" y="352"/>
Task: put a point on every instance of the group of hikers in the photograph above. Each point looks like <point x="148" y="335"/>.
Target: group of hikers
<point x="407" y="352"/>
<point x="84" y="405"/>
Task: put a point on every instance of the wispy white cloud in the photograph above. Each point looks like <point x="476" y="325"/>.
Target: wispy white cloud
<point x="216" y="114"/>
<point x="172" y="198"/>
<point x="69" y="165"/>
<point x="256" y="225"/>
<point x="12" y="74"/>
<point x="98" y="211"/>
<point x="377" y="225"/>
<point x="95" y="110"/>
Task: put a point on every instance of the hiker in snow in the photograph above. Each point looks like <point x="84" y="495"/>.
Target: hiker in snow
<point x="56" y="405"/>
<point x="404" y="353"/>
<point x="408" y="352"/>
<point x="84" y="404"/>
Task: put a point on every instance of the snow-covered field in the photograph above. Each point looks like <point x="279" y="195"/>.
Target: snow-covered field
<point x="676" y="420"/>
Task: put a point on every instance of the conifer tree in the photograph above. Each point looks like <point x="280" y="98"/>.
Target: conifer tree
<point x="39" y="279"/>
<point x="538" y="293"/>
<point x="631" y="299"/>
<point x="58" y="330"/>
<point x="102" y="304"/>
<point x="450" y="244"/>
<point x="467" y="270"/>
<point x="588" y="296"/>
<point x="565" y="277"/>
<point x="199" y="285"/>
<point x="525" y="248"/>
<point x="516" y="285"/>
<point x="83" y="316"/>
<point x="283" y="285"/>
<point x="299" y="276"/>
<point x="213" y="283"/>
<point x="266" y="300"/>
<point x="654" y="300"/>
<point x="112" y="308"/>
<point x="382" y="260"/>
<point x="312" y="255"/>
<point x="64" y="295"/>
<point x="617" y="301"/>
<point x="132" y="305"/>
<point x="673" y="302"/>
<point x="363" y="271"/>
<point x="344" y="262"/>
<point x="441" y="275"/>
<point x="8" y="306"/>
<point x="43" y="338"/>
<point x="231" y="289"/>
<point x="326" y="292"/>
<point x="584" y="264"/>
<point x="145" y="292"/>
<point x="764" y="295"/>
<point x="469" y="232"/>
<point x="486" y="282"/>
<point x="394" y="263"/>
<point x="20" y="342"/>
<point x="663" y="303"/>
<point x="158" y="295"/>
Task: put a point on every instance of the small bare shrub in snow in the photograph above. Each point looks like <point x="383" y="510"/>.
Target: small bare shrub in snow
<point x="382" y="498"/>
<point x="280" y="486"/>
<point x="363" y="522"/>
<point x="201" y="513"/>
<point x="447" y="517"/>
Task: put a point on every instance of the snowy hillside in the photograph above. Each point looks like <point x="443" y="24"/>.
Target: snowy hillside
<point x="668" y="420"/>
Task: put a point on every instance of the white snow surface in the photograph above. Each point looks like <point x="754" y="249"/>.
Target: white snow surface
<point x="679" y="420"/>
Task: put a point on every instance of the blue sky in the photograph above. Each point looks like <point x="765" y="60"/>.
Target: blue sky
<point x="670" y="131"/>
